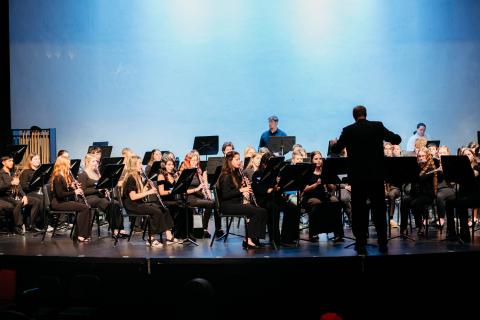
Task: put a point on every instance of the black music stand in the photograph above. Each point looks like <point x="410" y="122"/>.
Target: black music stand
<point x="16" y="151"/>
<point x="280" y="144"/>
<point x="214" y="168"/>
<point x="107" y="161"/>
<point x="457" y="169"/>
<point x="206" y="145"/>
<point x="401" y="171"/>
<point x="100" y="144"/>
<point x="153" y="173"/>
<point x="106" y="151"/>
<point x="330" y="153"/>
<point x="109" y="179"/>
<point x="75" y="167"/>
<point x="180" y="188"/>
<point x="39" y="180"/>
<point x="295" y="178"/>
<point x="146" y="157"/>
<point x="332" y="170"/>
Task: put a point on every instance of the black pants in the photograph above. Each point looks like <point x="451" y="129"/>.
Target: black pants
<point x="35" y="204"/>
<point x="84" y="215"/>
<point x="177" y="211"/>
<point x="392" y="195"/>
<point x="418" y="205"/>
<point x="375" y="191"/>
<point x="10" y="204"/>
<point x="114" y="215"/>
<point x="324" y="216"/>
<point x="256" y="215"/>
<point x="443" y="195"/>
<point x="208" y="206"/>
<point x="461" y="205"/>
<point x="161" y="220"/>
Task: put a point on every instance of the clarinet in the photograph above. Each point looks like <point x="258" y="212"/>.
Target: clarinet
<point x="152" y="185"/>
<point x="77" y="186"/>
<point x="205" y="191"/>
<point x="246" y="183"/>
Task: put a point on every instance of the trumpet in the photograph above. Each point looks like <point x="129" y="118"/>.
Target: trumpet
<point x="205" y="191"/>
<point x="246" y="183"/>
<point x="152" y="186"/>
<point x="78" y="186"/>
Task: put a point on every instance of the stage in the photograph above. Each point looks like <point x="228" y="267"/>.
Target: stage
<point x="313" y="278"/>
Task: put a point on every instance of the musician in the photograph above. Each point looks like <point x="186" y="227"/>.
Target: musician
<point x="364" y="143"/>
<point x="445" y="190"/>
<point x="199" y="194"/>
<point x="97" y="199"/>
<point x="422" y="193"/>
<point x="433" y="149"/>
<point x="35" y="198"/>
<point x="468" y="197"/>
<point x="391" y="192"/>
<point x="63" y="153"/>
<point x="10" y="189"/>
<point x="134" y="191"/>
<point x="248" y="152"/>
<point x="419" y="133"/>
<point x="273" y="131"/>
<point x="127" y="153"/>
<point x="64" y="190"/>
<point x="97" y="152"/>
<point x="232" y="193"/>
<point x="252" y="166"/>
<point x="166" y="181"/>
<point x="227" y="147"/>
<point x="155" y="155"/>
<point x="396" y="150"/>
<point x="319" y="200"/>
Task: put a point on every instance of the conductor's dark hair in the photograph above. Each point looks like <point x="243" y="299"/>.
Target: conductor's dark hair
<point x="359" y="111"/>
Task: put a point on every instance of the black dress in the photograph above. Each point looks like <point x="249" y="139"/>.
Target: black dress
<point x="63" y="200"/>
<point x="231" y="203"/>
<point x="161" y="219"/>
<point x="96" y="200"/>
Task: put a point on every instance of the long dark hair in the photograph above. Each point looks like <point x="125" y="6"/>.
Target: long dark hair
<point x="229" y="170"/>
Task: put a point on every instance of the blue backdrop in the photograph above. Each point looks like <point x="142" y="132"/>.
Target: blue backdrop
<point x="146" y="74"/>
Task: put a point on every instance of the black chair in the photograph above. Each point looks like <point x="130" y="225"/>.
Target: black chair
<point x="229" y="218"/>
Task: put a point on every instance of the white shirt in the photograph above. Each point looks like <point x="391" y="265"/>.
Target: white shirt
<point x="411" y="141"/>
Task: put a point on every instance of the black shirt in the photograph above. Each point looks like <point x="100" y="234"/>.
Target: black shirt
<point x="6" y="188"/>
<point x="61" y="191"/>
<point x="229" y="193"/>
<point x="25" y="178"/>
<point x="88" y="184"/>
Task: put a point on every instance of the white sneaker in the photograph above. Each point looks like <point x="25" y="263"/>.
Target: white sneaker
<point x="49" y="229"/>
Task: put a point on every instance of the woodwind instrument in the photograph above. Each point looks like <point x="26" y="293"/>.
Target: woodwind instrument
<point x="246" y="183"/>
<point x="205" y="191"/>
<point x="152" y="185"/>
<point x="78" y="186"/>
<point x="16" y="188"/>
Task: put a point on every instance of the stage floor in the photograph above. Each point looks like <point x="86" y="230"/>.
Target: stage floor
<point x="103" y="247"/>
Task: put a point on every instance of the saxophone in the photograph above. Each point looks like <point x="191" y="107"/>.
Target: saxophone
<point x="16" y="189"/>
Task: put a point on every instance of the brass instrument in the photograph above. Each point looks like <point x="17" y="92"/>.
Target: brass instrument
<point x="152" y="186"/>
<point x="246" y="183"/>
<point x="78" y="186"/>
<point x="205" y="191"/>
<point x="16" y="188"/>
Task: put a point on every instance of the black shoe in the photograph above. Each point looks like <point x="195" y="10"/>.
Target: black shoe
<point x="19" y="230"/>
<point x="361" y="249"/>
<point x="206" y="234"/>
<point x="383" y="248"/>
<point x="247" y="246"/>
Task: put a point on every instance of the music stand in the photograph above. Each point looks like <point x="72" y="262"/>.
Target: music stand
<point x="106" y="151"/>
<point x="206" y="145"/>
<point x="16" y="151"/>
<point x="457" y="169"/>
<point x="330" y="153"/>
<point x="295" y="178"/>
<point x="109" y="179"/>
<point x="332" y="170"/>
<point x="246" y="161"/>
<point x="180" y="188"/>
<point x="100" y="144"/>
<point x="214" y="168"/>
<point x="435" y="143"/>
<point x="75" y="166"/>
<point x="146" y="157"/>
<point x="280" y="144"/>
<point x="107" y="161"/>
<point x="153" y="173"/>
<point x="39" y="180"/>
<point x="400" y="171"/>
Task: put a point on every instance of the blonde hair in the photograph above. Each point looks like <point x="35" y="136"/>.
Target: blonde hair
<point x="251" y="164"/>
<point x="420" y="143"/>
<point x="247" y="150"/>
<point x="131" y="170"/>
<point x="92" y="174"/>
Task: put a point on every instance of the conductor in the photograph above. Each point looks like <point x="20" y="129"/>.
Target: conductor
<point x="364" y="142"/>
